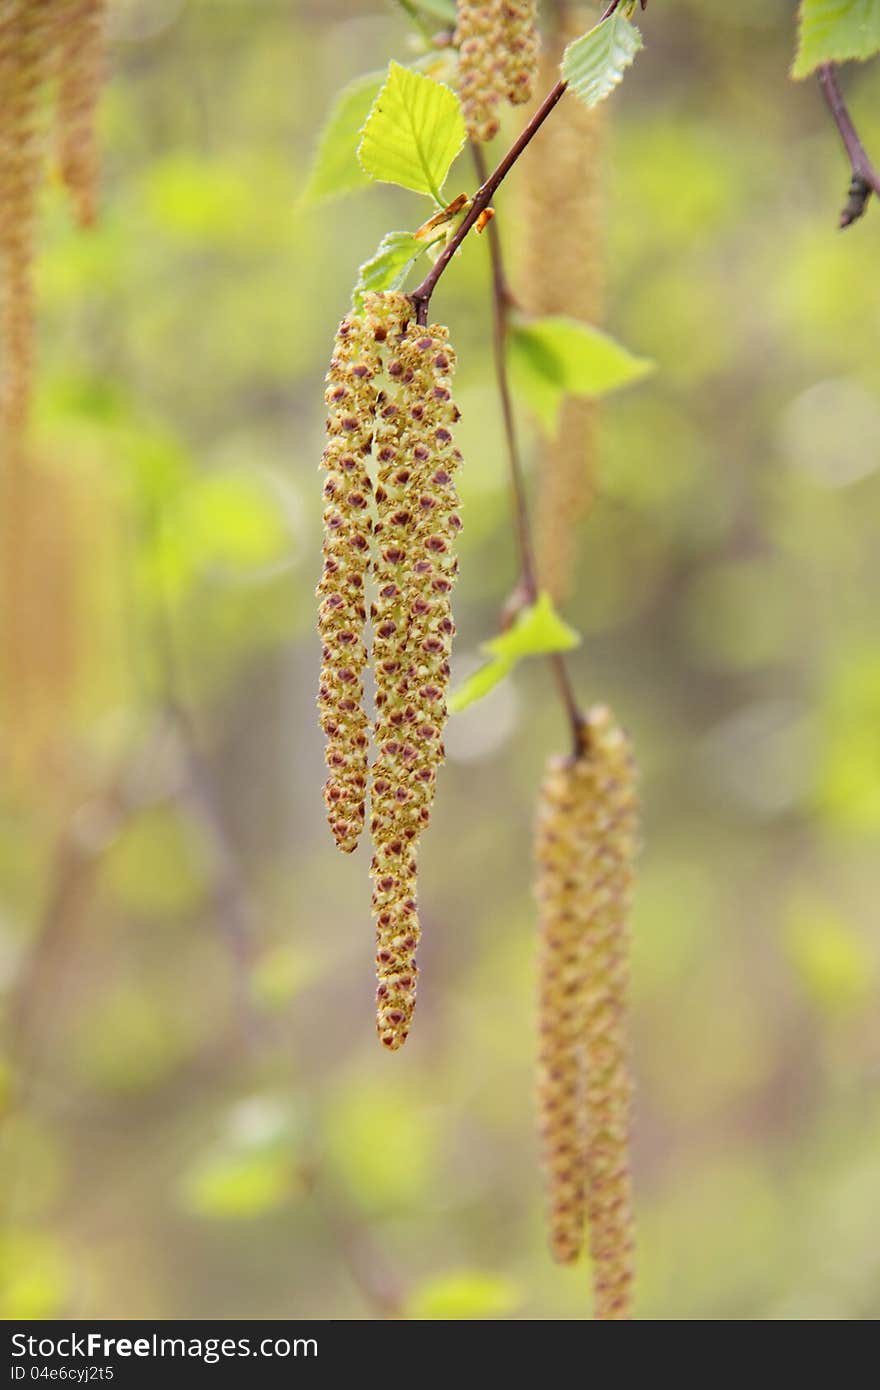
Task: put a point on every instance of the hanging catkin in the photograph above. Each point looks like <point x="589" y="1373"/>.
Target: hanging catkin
<point x="351" y="399"/>
<point x="26" y="35"/>
<point x="523" y="46"/>
<point x="417" y="523"/>
<point x="390" y="402"/>
<point x="481" y="64"/>
<point x="39" y="39"/>
<point x="80" y="62"/>
<point x="563" y="274"/>
<point x="586" y="839"/>
<point x="498" y="46"/>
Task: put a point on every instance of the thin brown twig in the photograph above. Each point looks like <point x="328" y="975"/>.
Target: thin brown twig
<point x="865" y="178"/>
<point x="528" y="582"/>
<point x="500" y="323"/>
<point x="421" y="295"/>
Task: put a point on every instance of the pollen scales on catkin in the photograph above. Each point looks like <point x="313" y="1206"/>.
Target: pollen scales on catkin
<point x="563" y="273"/>
<point x="585" y="846"/>
<point x="392" y="414"/>
<point x="498" y="47"/>
<point x="522" y="41"/>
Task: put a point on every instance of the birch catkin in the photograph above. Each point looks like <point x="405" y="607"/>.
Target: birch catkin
<point x="80" y="63"/>
<point x="351" y="398"/>
<point x="586" y="834"/>
<point x="417" y="522"/>
<point x="391" y="408"/>
<point x="481" y="63"/>
<point x="564" y="274"/>
<point x="523" y="47"/>
<point x="498" y="47"/>
<point x="25" y="47"/>
<point x="39" y="39"/>
<point x="560" y="1003"/>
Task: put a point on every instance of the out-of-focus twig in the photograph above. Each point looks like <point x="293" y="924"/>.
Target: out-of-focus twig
<point x="75" y="864"/>
<point x="527" y="588"/>
<point x="353" y="1237"/>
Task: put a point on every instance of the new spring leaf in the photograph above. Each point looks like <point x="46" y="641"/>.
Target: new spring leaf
<point x="537" y="631"/>
<point x="834" y="31"/>
<point x="413" y="133"/>
<point x="557" y="356"/>
<point x="388" y="268"/>
<point x="594" y="64"/>
<point x="335" y="169"/>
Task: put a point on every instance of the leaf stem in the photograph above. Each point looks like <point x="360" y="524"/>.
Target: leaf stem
<point x="865" y="179"/>
<point x="528" y="586"/>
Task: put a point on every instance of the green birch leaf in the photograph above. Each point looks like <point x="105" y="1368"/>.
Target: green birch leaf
<point x="388" y="268"/>
<point x="335" y="168"/>
<point x="594" y="64"/>
<point x="834" y="31"/>
<point x="537" y="631"/>
<point x="534" y="387"/>
<point x="413" y="133"/>
<point x="557" y="356"/>
<point x="478" y="685"/>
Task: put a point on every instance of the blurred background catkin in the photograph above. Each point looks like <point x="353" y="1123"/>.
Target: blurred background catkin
<point x="196" y="1118"/>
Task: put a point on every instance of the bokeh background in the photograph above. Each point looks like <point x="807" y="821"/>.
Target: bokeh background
<point x="196" y="1117"/>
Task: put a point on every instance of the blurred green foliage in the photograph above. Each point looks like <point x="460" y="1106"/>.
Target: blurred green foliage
<point x="196" y="1118"/>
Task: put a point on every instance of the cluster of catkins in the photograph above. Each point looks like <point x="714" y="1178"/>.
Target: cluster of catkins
<point x="391" y="513"/>
<point x="563" y="181"/>
<point x="42" y="42"/>
<point x="498" y="49"/>
<point x="586" y="840"/>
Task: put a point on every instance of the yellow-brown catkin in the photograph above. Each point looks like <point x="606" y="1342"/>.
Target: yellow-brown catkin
<point x="586" y="842"/>
<point x="351" y="399"/>
<point x="415" y="569"/>
<point x="498" y="49"/>
<point x="563" y="274"/>
<point x="26" y="37"/>
<point x="522" y="42"/>
<point x="80" y="60"/>
<point x="26" y="34"/>
<point x="484" y="78"/>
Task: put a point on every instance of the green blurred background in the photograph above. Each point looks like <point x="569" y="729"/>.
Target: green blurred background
<point x="197" y="1118"/>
